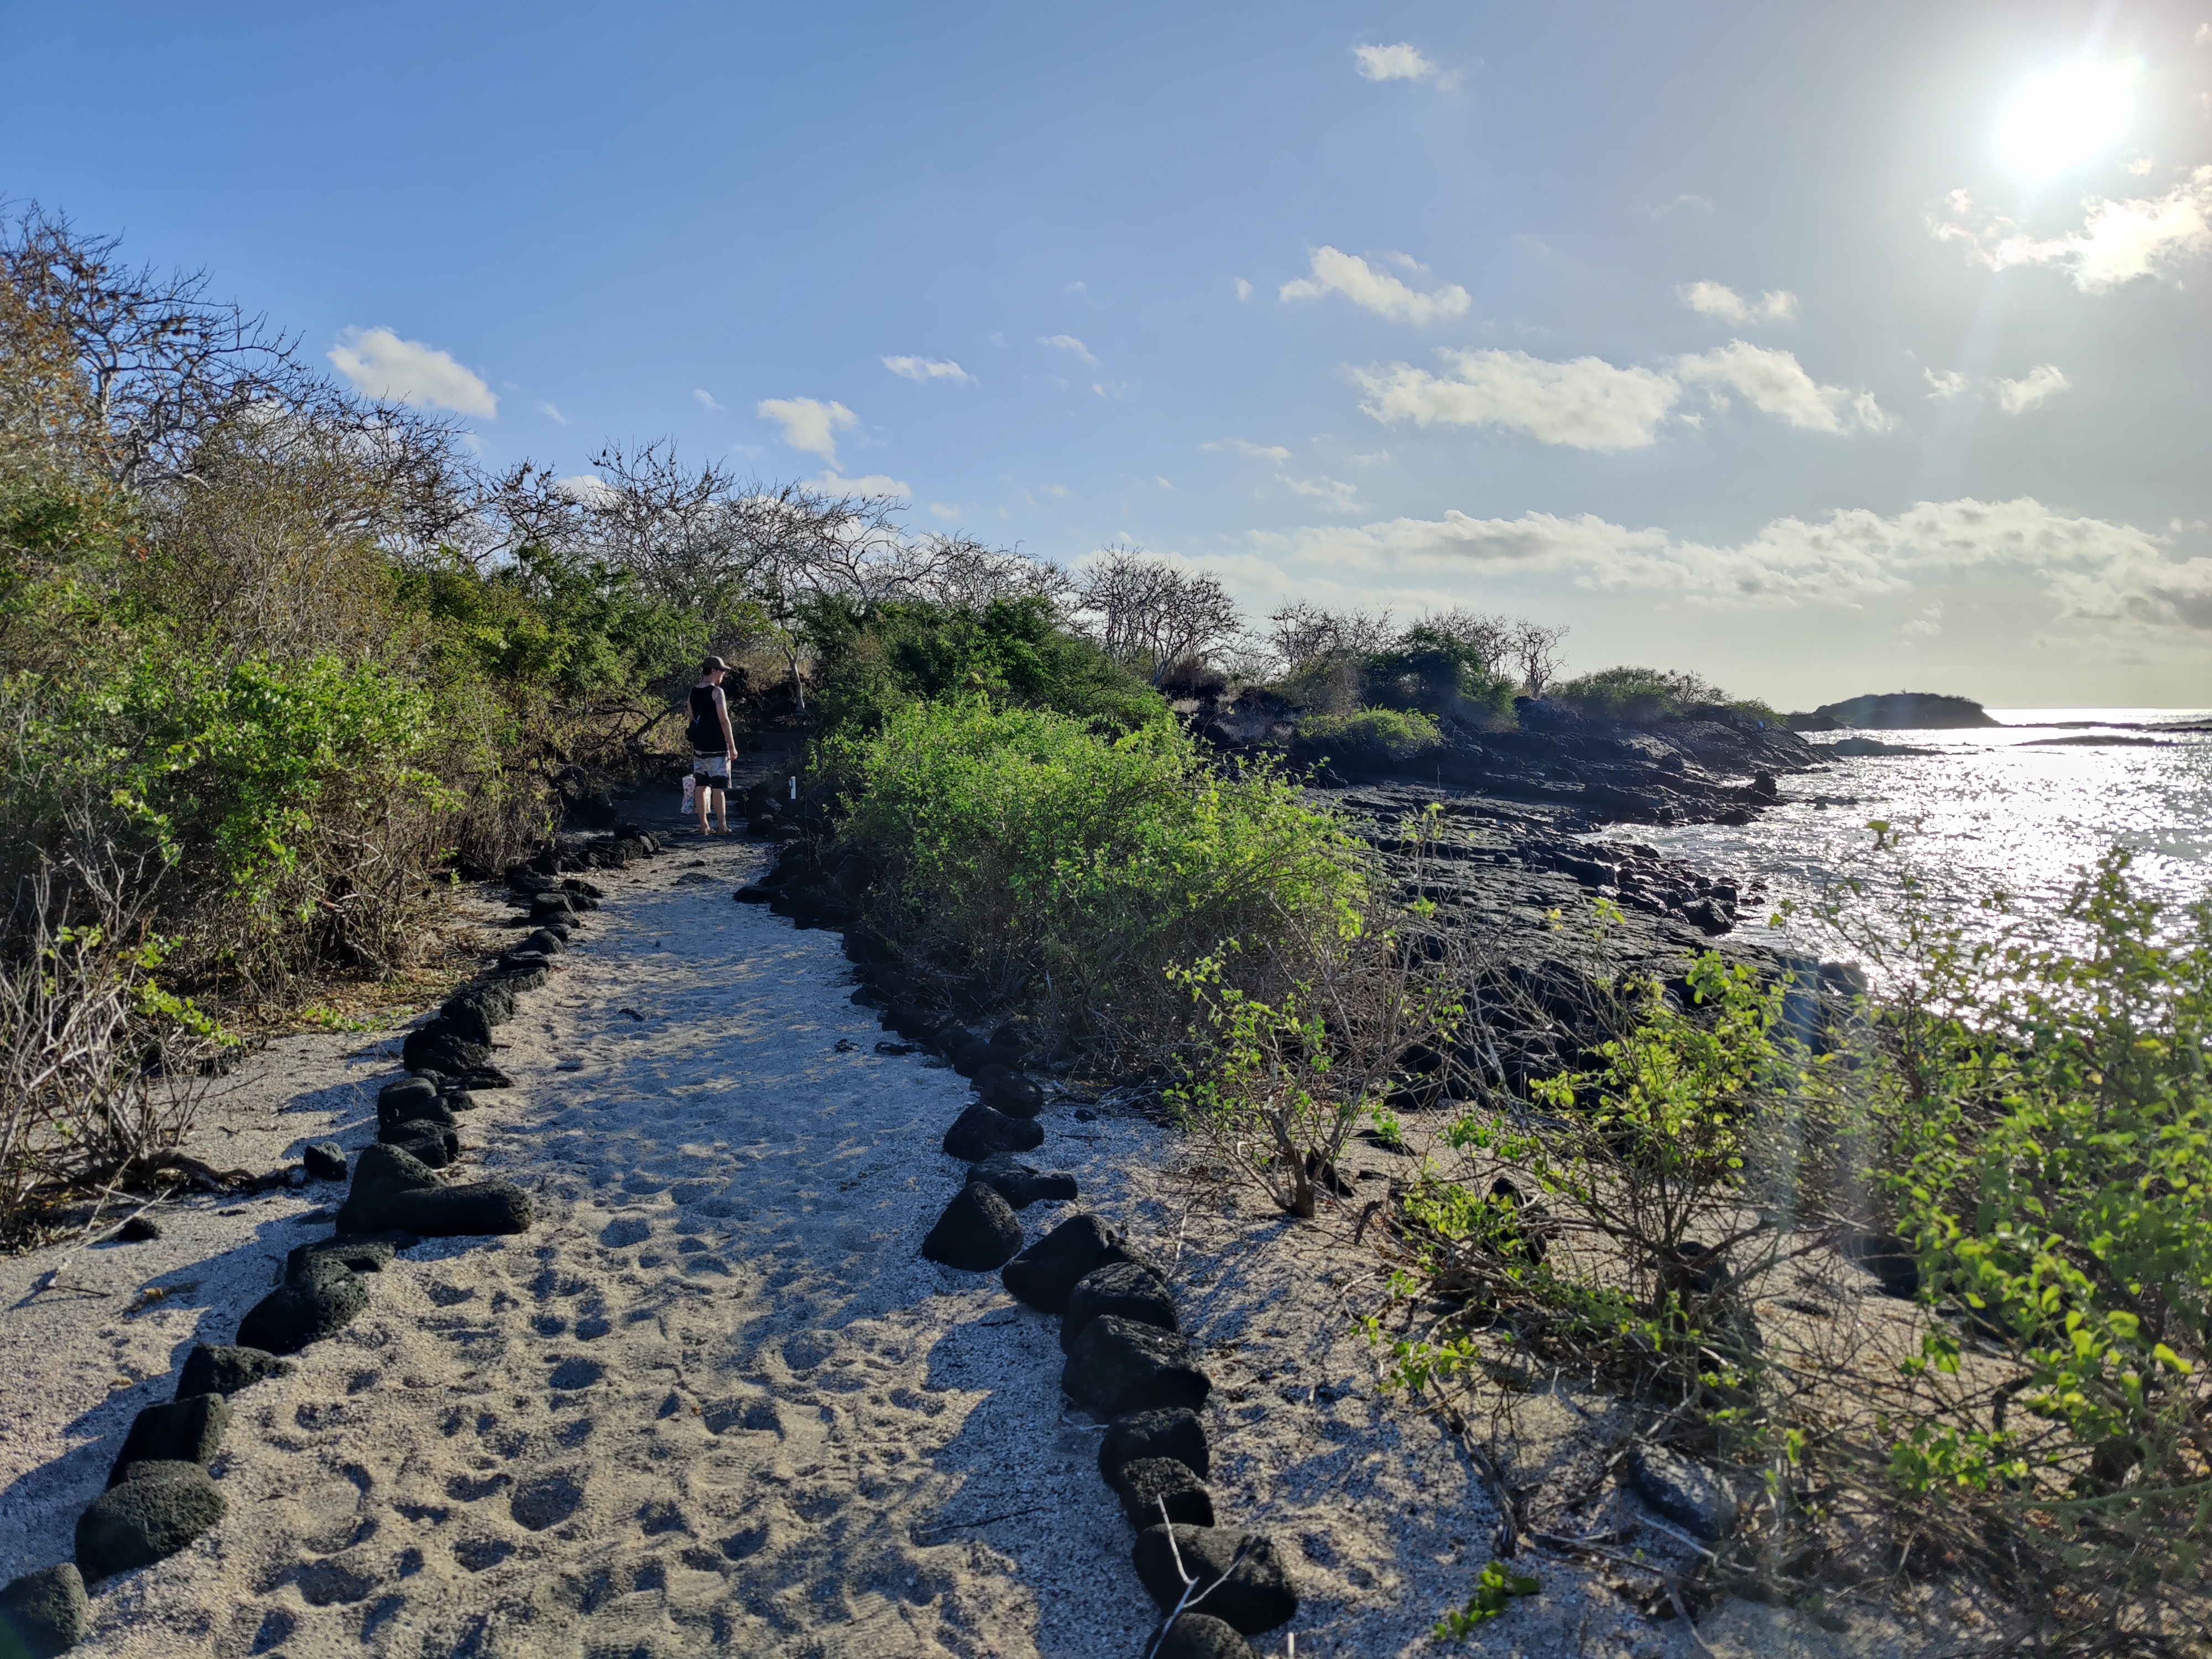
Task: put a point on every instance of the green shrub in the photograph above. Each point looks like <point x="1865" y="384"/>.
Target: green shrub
<point x="1014" y="653"/>
<point x="289" y="801"/>
<point x="572" y="631"/>
<point x="2049" y="1100"/>
<point x="1396" y="733"/>
<point x="1645" y="695"/>
<point x="1438" y="674"/>
<point x="1040" y="853"/>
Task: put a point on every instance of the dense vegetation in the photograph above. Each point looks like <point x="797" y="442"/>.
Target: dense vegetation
<point x="277" y="660"/>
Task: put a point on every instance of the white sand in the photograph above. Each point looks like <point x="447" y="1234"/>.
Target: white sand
<point x="715" y="1401"/>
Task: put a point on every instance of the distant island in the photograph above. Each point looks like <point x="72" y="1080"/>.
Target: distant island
<point x="1896" y="711"/>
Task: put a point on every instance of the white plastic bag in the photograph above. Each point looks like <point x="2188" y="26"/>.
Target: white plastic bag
<point x="690" y="790"/>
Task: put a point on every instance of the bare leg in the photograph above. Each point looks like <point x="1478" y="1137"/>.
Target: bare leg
<point x="722" y="809"/>
<point x="699" y="799"/>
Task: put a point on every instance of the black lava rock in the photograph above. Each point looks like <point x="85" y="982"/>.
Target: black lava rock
<point x="545" y="941"/>
<point x="1044" y="1274"/>
<point x="1119" y="1365"/>
<point x="437" y="1047"/>
<point x="1174" y="1432"/>
<point x="468" y="1023"/>
<point x="411" y="1096"/>
<point x="1008" y="1091"/>
<point x="979" y="1132"/>
<point x="1200" y="1635"/>
<point x="326" y="1160"/>
<point x="1019" y="1184"/>
<point x="393" y="1192"/>
<point x="139" y="1230"/>
<point x="973" y="1056"/>
<point x="1120" y="1287"/>
<point x="188" y="1430"/>
<point x="218" y="1368"/>
<point x="1258" y="1593"/>
<point x="307" y="1307"/>
<point x="1686" y="1492"/>
<point x="493" y="1000"/>
<point x="43" y="1613"/>
<point x="371" y="1255"/>
<point x="1145" y="1484"/>
<point x="154" y="1511"/>
<point x="977" y="1231"/>
<point x="430" y="1143"/>
<point x="525" y="970"/>
<point x="753" y="892"/>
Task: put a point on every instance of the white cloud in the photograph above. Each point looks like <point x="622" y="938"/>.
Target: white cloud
<point x="2203" y="36"/>
<point x="946" y="511"/>
<point x="872" y="483"/>
<point x="1337" y="272"/>
<point x="808" y="425"/>
<point x="1694" y="203"/>
<point x="587" y="488"/>
<point x="2039" y="384"/>
<point x="1343" y="496"/>
<point x="1928" y="624"/>
<point x="2119" y="242"/>
<point x="1160" y="482"/>
<point x="2091" y="567"/>
<point x="1073" y="287"/>
<point x="2140" y="167"/>
<point x="1068" y="342"/>
<point x="1399" y="62"/>
<point x="1243" y="290"/>
<point x="706" y="401"/>
<point x="926" y="368"/>
<point x="1714" y="300"/>
<point x="382" y="365"/>
<point x="1775" y="384"/>
<point x="1945" y="384"/>
<point x="1587" y="404"/>
<point x="551" y="413"/>
<point x="1590" y="403"/>
<point x="1253" y="451"/>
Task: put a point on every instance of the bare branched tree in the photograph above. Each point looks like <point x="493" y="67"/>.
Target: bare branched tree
<point x="1305" y="635"/>
<point x="1532" y="648"/>
<point x="1152" y="615"/>
<point x="966" y="573"/>
<point x="147" y="382"/>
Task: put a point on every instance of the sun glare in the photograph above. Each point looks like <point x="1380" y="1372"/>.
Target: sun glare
<point x="2066" y="118"/>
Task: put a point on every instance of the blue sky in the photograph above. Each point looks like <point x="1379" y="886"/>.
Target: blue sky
<point x="1787" y="344"/>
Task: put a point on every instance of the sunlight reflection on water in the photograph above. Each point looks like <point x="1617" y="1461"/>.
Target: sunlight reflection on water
<point x="1995" y="809"/>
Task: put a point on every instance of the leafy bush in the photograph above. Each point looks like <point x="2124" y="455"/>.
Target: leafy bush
<point x="289" y="802"/>
<point x="2030" y="1107"/>
<point x="1438" y="673"/>
<point x="1280" y="1068"/>
<point x="1398" y="735"/>
<point x="1015" y="653"/>
<point x="1042" y="855"/>
<point x="2048" y="1099"/>
<point x="1645" y="695"/>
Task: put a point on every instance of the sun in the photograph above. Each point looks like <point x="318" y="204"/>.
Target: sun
<point x="2066" y="118"/>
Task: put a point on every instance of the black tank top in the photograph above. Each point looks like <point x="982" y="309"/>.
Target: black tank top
<point x="705" y="730"/>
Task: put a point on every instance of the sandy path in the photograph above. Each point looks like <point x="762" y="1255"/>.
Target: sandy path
<point x="715" y="1401"/>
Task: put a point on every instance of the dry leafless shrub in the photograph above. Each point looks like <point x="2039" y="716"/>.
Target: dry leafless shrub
<point x="101" y="1069"/>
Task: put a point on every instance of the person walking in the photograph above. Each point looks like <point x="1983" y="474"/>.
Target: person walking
<point x="713" y="746"/>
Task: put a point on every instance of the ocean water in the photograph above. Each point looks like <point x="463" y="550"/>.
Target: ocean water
<point x="2024" y="808"/>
